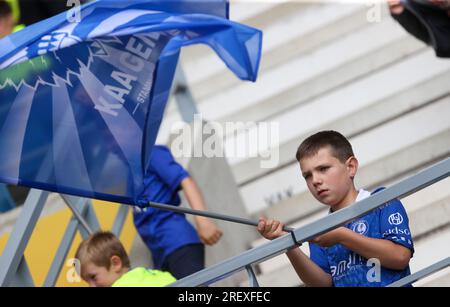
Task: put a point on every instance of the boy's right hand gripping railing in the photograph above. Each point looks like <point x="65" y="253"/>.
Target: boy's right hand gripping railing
<point x="278" y="246"/>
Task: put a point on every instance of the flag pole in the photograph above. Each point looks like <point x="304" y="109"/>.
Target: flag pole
<point x="212" y="215"/>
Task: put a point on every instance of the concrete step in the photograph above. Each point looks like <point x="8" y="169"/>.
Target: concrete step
<point x="298" y="31"/>
<point x="251" y="13"/>
<point x="352" y="98"/>
<point x="384" y="172"/>
<point x="330" y="78"/>
<point x="397" y="104"/>
<point x="299" y="94"/>
<point x="257" y="194"/>
<point x="429" y="250"/>
<point x="298" y="70"/>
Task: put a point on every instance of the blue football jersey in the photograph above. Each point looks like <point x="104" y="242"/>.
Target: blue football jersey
<point x="164" y="231"/>
<point x="388" y="222"/>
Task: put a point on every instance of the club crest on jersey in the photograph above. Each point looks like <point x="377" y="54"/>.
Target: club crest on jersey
<point x="360" y="227"/>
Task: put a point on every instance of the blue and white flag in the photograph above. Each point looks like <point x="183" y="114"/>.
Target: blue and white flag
<point x="81" y="102"/>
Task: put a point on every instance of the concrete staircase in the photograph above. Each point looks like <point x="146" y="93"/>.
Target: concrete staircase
<point x="326" y="67"/>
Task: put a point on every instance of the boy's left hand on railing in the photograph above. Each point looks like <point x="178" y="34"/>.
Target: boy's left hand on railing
<point x="330" y="238"/>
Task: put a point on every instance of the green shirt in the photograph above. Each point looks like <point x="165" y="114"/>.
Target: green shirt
<point x="141" y="277"/>
<point x="15" y="8"/>
<point x="16" y="14"/>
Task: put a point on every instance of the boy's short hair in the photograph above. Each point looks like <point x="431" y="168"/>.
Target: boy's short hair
<point x="340" y="146"/>
<point x="5" y="9"/>
<point x="99" y="248"/>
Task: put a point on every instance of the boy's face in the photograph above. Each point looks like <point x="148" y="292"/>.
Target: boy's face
<point x="6" y="25"/>
<point x="328" y="179"/>
<point x="99" y="276"/>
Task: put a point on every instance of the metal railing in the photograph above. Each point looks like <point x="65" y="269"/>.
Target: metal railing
<point x="279" y="246"/>
<point x="14" y="270"/>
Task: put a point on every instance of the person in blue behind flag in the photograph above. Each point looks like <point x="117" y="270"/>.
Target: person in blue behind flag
<point x="371" y="251"/>
<point x="81" y="102"/>
<point x="175" y="245"/>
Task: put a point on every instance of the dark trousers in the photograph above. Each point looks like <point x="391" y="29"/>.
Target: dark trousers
<point x="185" y="260"/>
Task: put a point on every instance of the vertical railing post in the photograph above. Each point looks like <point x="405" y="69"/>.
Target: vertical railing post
<point x="253" y="281"/>
<point x="12" y="258"/>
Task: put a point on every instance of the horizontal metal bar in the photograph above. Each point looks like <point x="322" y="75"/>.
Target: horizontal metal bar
<point x="422" y="273"/>
<point x="406" y="187"/>
<point x="212" y="215"/>
<point x="235" y="264"/>
<point x="252" y="280"/>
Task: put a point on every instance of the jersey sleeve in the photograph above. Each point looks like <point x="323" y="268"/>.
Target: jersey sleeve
<point x="167" y="169"/>
<point x="319" y="257"/>
<point x="395" y="224"/>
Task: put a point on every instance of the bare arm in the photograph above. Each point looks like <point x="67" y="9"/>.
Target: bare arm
<point x="209" y="233"/>
<point x="309" y="272"/>
<point x="392" y="256"/>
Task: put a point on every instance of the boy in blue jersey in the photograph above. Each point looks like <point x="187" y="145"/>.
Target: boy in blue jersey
<point x="175" y="245"/>
<point x="346" y="256"/>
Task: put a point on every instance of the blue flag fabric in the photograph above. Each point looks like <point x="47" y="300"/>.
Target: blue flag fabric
<point x="81" y="103"/>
